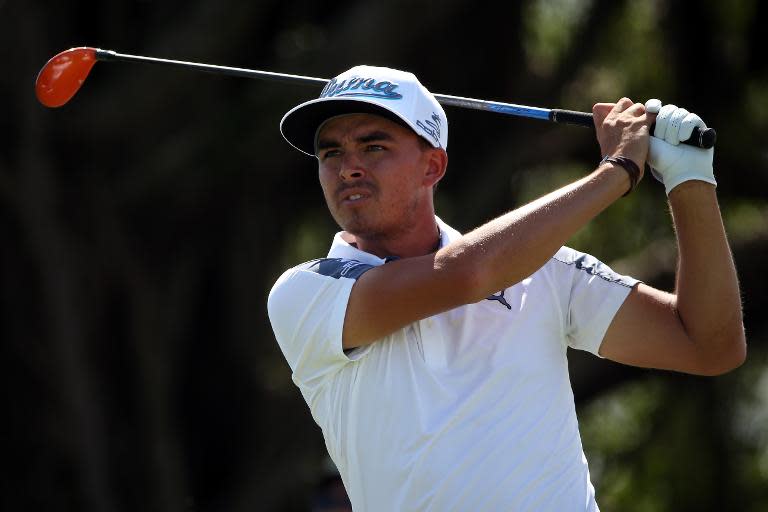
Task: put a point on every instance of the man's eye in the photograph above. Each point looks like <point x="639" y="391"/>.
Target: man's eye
<point x="374" y="147"/>
<point x="330" y="153"/>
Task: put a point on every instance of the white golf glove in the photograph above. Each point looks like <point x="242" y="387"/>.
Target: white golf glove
<point x="673" y="163"/>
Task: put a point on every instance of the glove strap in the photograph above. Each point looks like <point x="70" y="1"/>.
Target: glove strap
<point x="628" y="165"/>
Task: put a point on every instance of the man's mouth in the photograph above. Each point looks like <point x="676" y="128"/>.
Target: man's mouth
<point x="354" y="195"/>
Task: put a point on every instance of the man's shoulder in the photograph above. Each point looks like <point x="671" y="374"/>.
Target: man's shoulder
<point x="564" y="257"/>
<point x="562" y="264"/>
<point x="586" y="264"/>
<point x="308" y="277"/>
<point x="567" y="255"/>
<point x="335" y="268"/>
<point x="576" y="259"/>
<point x="311" y="284"/>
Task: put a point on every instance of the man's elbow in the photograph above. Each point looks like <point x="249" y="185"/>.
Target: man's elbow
<point x="466" y="281"/>
<point x="731" y="353"/>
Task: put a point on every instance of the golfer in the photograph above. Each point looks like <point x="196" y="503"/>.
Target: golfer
<point x="435" y="362"/>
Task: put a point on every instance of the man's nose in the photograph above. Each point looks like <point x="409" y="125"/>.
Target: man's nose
<point x="351" y="168"/>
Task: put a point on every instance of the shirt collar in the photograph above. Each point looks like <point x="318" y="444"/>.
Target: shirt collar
<point x="340" y="248"/>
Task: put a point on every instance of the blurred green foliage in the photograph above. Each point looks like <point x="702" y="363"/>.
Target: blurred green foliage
<point x="668" y="442"/>
<point x="662" y="442"/>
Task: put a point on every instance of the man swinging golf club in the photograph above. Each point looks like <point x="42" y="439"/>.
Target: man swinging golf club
<point x="435" y="362"/>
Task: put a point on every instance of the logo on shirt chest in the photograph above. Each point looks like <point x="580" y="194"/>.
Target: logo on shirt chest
<point x="500" y="298"/>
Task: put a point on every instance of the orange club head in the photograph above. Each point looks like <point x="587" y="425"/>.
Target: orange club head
<point x="63" y="75"/>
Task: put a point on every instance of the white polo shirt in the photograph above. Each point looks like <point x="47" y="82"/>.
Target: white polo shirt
<point x="467" y="410"/>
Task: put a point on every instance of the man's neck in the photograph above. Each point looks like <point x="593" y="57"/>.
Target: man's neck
<point x="419" y="241"/>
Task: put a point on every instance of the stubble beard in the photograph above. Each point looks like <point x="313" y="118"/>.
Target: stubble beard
<point x="366" y="225"/>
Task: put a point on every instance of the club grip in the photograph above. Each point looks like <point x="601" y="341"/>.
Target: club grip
<point x="700" y="138"/>
<point x="558" y="115"/>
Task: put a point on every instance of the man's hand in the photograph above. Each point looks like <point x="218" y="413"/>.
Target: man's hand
<point x="673" y="163"/>
<point x="622" y="130"/>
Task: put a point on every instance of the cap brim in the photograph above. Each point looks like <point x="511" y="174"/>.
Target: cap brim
<point x="300" y="124"/>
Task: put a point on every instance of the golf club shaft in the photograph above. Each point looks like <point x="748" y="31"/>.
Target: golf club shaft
<point x="109" y="55"/>
<point x="701" y="138"/>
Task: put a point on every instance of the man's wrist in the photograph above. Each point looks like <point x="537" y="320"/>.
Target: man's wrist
<point x="631" y="168"/>
<point x="691" y="187"/>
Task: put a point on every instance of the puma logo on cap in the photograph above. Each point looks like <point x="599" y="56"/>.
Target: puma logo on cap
<point x="358" y="86"/>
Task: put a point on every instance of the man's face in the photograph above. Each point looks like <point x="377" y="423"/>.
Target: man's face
<point x="372" y="172"/>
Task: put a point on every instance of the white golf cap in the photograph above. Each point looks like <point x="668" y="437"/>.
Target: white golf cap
<point x="391" y="93"/>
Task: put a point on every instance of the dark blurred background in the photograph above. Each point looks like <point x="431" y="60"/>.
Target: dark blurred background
<point x="143" y="224"/>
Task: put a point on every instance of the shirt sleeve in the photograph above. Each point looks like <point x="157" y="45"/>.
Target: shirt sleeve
<point x="306" y="308"/>
<point x="597" y="292"/>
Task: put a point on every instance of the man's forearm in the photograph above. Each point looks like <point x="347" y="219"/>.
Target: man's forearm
<point x="511" y="247"/>
<point x="707" y="289"/>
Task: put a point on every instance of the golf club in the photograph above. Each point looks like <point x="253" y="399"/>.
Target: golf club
<point x="62" y="76"/>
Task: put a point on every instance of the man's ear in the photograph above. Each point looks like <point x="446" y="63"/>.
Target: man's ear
<point x="437" y="162"/>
